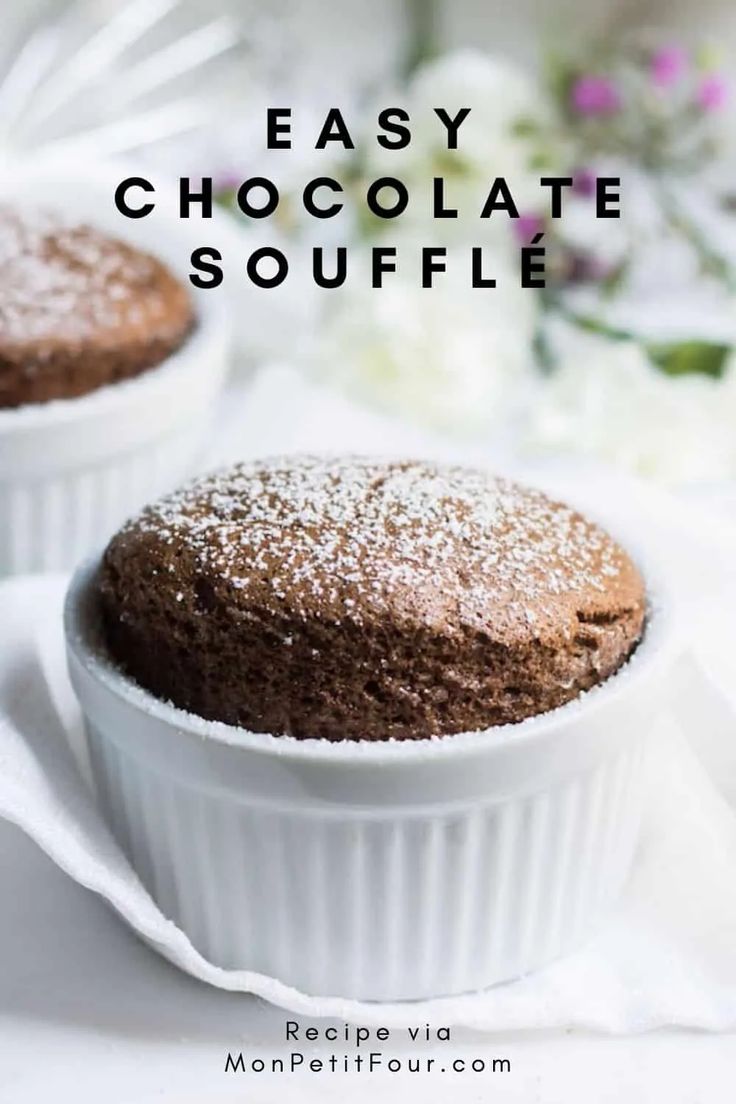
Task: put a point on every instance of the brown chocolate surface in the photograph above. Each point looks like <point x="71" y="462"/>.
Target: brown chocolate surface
<point x="356" y="599"/>
<point x="79" y="309"/>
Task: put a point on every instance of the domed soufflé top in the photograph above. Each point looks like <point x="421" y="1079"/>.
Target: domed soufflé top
<point x="79" y="309"/>
<point x="358" y="599"/>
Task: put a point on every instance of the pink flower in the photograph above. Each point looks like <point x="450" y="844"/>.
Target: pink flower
<point x="583" y="268"/>
<point x="227" y="181"/>
<point x="527" y="226"/>
<point x="668" y="65"/>
<point x="593" y="95"/>
<point x="712" y="93"/>
<point x="584" y="182"/>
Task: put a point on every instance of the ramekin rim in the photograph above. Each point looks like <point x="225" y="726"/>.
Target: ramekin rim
<point x="654" y="648"/>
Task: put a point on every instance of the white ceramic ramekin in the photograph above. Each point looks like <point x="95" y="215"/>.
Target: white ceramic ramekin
<point x="71" y="471"/>
<point x="377" y="871"/>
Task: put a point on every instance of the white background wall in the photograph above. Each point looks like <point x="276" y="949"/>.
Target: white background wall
<point x="370" y="32"/>
<point x="331" y="45"/>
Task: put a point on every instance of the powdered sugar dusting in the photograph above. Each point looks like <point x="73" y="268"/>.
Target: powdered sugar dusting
<point x="349" y="537"/>
<point x="60" y="281"/>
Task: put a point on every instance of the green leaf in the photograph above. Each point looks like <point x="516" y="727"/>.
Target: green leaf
<point x="560" y="74"/>
<point x="226" y="198"/>
<point x="613" y="281"/>
<point x="526" y="127"/>
<point x="590" y="324"/>
<point x="704" y="358"/>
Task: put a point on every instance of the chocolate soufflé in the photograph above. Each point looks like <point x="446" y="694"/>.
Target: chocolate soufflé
<point x="353" y="599"/>
<point x="79" y="309"/>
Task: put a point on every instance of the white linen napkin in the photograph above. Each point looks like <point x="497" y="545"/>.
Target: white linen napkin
<point x="666" y="957"/>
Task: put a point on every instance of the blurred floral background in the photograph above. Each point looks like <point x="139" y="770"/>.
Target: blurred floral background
<point x="628" y="356"/>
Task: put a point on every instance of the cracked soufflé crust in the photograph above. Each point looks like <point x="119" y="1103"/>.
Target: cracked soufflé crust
<point x="353" y="599"/>
<point x="79" y="310"/>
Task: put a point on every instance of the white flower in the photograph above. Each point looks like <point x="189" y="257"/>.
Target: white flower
<point x="607" y="401"/>
<point x="452" y="357"/>
<point x="500" y="96"/>
<point x="608" y="240"/>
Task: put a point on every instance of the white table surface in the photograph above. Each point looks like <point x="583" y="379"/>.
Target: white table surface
<point x="88" y="1014"/>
